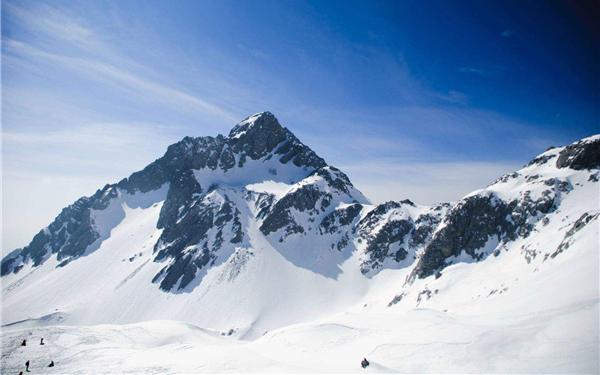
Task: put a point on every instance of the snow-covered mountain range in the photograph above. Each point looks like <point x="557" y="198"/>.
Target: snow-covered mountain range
<point x="255" y="237"/>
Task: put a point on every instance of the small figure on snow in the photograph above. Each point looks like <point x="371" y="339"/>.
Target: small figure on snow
<point x="51" y="364"/>
<point x="364" y="363"/>
<point x="42" y="341"/>
<point x="27" y="366"/>
<point x="24" y="343"/>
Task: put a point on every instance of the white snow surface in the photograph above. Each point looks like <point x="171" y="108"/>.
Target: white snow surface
<point x="266" y="309"/>
<point x="278" y="189"/>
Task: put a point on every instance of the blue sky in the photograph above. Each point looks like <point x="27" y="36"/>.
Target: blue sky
<point x="420" y="99"/>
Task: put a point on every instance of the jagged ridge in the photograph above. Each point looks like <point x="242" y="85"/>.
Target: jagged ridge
<point x="209" y="206"/>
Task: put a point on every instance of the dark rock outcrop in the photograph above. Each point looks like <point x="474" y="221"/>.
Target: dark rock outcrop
<point x="479" y="218"/>
<point x="467" y="227"/>
<point x="308" y="197"/>
<point x="584" y="154"/>
<point x="261" y="134"/>
<point x="391" y="232"/>
<point x="339" y="218"/>
<point x="195" y="238"/>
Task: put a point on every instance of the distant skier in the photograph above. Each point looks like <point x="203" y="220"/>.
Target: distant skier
<point x="51" y="364"/>
<point x="42" y="341"/>
<point x="27" y="366"/>
<point x="24" y="343"/>
<point x="364" y="363"/>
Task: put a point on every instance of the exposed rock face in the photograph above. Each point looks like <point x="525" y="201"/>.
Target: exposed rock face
<point x="426" y="223"/>
<point x="341" y="217"/>
<point x="182" y="191"/>
<point x="481" y="218"/>
<point x="584" y="154"/>
<point x="314" y="195"/>
<point x="257" y="137"/>
<point x="195" y="238"/>
<point x="484" y="221"/>
<point x="261" y="134"/>
<point x="201" y="224"/>
<point x="394" y="231"/>
<point x="467" y="227"/>
<point x="303" y="199"/>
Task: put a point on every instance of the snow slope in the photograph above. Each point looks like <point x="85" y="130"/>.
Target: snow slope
<point x="516" y="331"/>
<point x="113" y="284"/>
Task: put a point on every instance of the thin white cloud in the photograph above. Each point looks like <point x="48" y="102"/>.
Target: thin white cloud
<point x="99" y="70"/>
<point x="43" y="20"/>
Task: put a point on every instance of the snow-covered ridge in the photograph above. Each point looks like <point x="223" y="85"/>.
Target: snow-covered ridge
<point x="253" y="232"/>
<point x="271" y="152"/>
<point x="516" y="207"/>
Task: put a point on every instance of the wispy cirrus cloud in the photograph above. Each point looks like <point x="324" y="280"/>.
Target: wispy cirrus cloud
<point x="97" y="70"/>
<point x="44" y="20"/>
<point x="98" y="59"/>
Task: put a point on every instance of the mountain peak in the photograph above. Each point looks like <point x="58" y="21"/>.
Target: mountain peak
<point x="259" y="122"/>
<point x="261" y="134"/>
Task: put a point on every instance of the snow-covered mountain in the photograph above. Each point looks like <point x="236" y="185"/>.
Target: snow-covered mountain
<point x="256" y="237"/>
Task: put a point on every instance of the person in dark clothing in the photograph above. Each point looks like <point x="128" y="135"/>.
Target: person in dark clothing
<point x="51" y="364"/>
<point x="364" y="363"/>
<point x="20" y="372"/>
<point x="27" y="366"/>
<point x="24" y="343"/>
<point x="42" y="341"/>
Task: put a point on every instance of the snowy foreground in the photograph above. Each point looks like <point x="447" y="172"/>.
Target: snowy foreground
<point x="541" y="325"/>
<point x="422" y="340"/>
